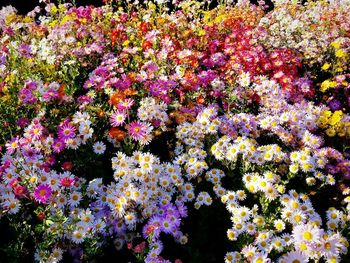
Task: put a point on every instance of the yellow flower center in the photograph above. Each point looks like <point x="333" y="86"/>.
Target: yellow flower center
<point x="307" y="235"/>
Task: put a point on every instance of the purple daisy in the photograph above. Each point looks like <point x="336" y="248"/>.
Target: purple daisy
<point x="66" y="130"/>
<point x="35" y="130"/>
<point x="42" y="193"/>
<point x="50" y="95"/>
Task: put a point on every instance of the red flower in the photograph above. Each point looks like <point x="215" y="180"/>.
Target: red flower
<point x="144" y="26"/>
<point x="67" y="166"/>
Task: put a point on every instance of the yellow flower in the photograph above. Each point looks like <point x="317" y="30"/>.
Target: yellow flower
<point x="200" y="32"/>
<point x="335" y="44"/>
<point x="336" y="117"/>
<point x="340" y="53"/>
<point x="53" y="10"/>
<point x="342" y="131"/>
<point x="53" y="23"/>
<point x="326" y="66"/>
<point x="326" y="114"/>
<point x="330" y="132"/>
<point x="327" y="84"/>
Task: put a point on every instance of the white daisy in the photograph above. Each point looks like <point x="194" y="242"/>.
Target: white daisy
<point x="99" y="147"/>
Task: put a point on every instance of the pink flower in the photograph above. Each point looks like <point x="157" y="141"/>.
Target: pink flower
<point x="66" y="130"/>
<point x="12" y="145"/>
<point x="125" y="104"/>
<point x="137" y="130"/>
<point x="67" y="182"/>
<point x="117" y="118"/>
<point x="58" y="145"/>
<point x="129" y="245"/>
<point x="42" y="193"/>
<point x="19" y="191"/>
<point x="140" y="247"/>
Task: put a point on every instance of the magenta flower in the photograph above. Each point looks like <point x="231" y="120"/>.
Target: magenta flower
<point x="22" y="122"/>
<point x="137" y="130"/>
<point x="66" y="130"/>
<point x="58" y="145"/>
<point x="42" y="193"/>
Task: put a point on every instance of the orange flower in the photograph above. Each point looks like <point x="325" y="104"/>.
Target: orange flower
<point x="100" y="113"/>
<point x="117" y="134"/>
<point x="116" y="98"/>
<point x="61" y="92"/>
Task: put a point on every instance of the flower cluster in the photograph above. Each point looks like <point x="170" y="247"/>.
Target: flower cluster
<point x="121" y="123"/>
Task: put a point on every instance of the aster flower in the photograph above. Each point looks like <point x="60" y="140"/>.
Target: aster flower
<point x="12" y="145"/>
<point x="66" y="130"/>
<point x="34" y="130"/>
<point x="42" y="193"/>
<point x="99" y="147"/>
<point x="138" y="130"/>
<point x="334" y="105"/>
<point x="117" y="118"/>
<point x="12" y="205"/>
<point x="125" y="104"/>
<point x="78" y="236"/>
<point x="294" y="256"/>
<point x="58" y="145"/>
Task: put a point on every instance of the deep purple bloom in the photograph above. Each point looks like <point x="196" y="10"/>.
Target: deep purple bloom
<point x="334" y="105"/>
<point x="22" y="122"/>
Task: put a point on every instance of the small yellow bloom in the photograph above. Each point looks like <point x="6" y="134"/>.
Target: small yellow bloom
<point x="53" y="10"/>
<point x="324" y="87"/>
<point x="336" y="117"/>
<point x="340" y="53"/>
<point x="342" y="132"/>
<point x="326" y="66"/>
<point x="330" y="132"/>
<point x="201" y="32"/>
<point x="335" y="44"/>
<point x="326" y="114"/>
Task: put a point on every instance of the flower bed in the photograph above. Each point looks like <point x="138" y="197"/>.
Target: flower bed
<point x="122" y="126"/>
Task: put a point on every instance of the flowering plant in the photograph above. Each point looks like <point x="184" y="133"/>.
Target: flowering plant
<point x="121" y="123"/>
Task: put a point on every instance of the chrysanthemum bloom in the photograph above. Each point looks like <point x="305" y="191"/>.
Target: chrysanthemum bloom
<point x="99" y="147"/>
<point x="67" y="182"/>
<point x="66" y="130"/>
<point x="42" y="193"/>
<point x="117" y="118"/>
<point x="137" y="130"/>
<point x="125" y="104"/>
<point x="19" y="191"/>
<point x="58" y="145"/>
<point x="12" y="145"/>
